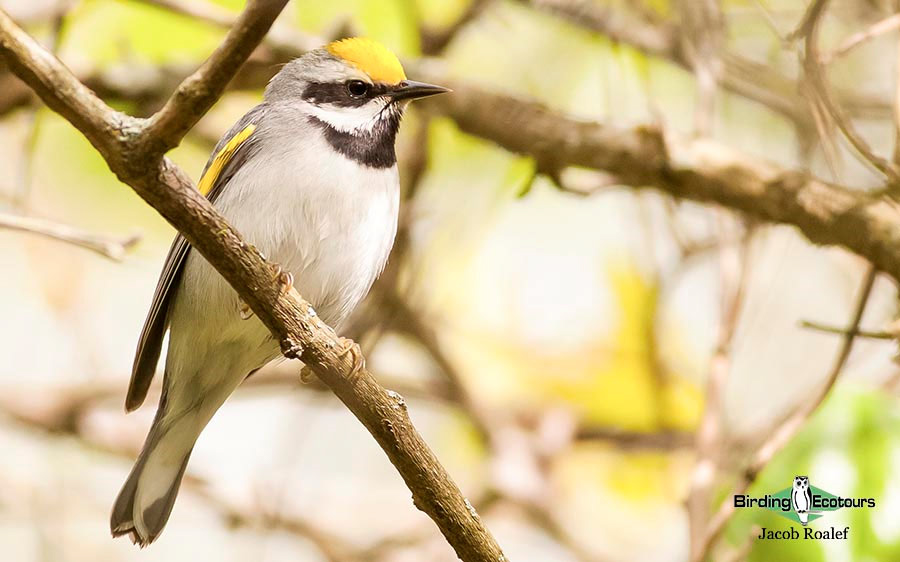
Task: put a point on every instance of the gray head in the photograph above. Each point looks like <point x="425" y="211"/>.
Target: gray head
<point x="354" y="86"/>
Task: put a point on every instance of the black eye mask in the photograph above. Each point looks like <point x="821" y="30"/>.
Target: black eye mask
<point x="343" y="94"/>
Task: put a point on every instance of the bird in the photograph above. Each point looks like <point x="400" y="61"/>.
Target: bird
<point x="801" y="499"/>
<point x="309" y="177"/>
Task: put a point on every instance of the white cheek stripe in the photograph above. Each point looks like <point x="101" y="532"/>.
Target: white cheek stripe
<point x="348" y="119"/>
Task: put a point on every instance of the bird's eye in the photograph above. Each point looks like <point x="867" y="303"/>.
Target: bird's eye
<point x="357" y="88"/>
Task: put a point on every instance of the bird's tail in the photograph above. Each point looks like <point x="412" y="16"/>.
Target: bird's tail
<point x="804" y="517"/>
<point x="145" y="501"/>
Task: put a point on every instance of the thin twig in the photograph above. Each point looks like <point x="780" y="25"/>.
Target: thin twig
<point x="703" y="30"/>
<point x="883" y="335"/>
<point x="733" y="275"/>
<point x="820" y="92"/>
<point x="107" y="246"/>
<point x="781" y="435"/>
<point x="20" y="200"/>
<point x="886" y="25"/>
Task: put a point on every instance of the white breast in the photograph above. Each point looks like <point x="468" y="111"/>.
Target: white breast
<point x="328" y="220"/>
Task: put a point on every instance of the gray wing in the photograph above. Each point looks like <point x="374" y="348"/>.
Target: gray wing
<point x="150" y="344"/>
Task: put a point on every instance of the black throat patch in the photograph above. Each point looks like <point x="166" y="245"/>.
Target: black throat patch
<point x="373" y="148"/>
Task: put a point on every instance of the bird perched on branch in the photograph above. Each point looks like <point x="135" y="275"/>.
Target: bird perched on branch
<point x="308" y="176"/>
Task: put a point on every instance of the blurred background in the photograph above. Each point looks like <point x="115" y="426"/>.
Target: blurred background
<point x="556" y="337"/>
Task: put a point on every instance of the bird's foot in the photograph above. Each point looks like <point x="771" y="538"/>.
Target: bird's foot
<point x="285" y="278"/>
<point x="306" y="375"/>
<point x="344" y="347"/>
<point x="244" y="309"/>
<point x="349" y="347"/>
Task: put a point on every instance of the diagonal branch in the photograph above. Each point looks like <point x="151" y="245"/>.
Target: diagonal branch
<point x="133" y="154"/>
<point x="199" y="91"/>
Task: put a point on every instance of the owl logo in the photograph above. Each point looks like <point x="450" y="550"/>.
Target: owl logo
<point x="801" y="498"/>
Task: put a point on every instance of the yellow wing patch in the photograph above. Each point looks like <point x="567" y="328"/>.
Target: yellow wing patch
<point x="218" y="164"/>
<point x="371" y="57"/>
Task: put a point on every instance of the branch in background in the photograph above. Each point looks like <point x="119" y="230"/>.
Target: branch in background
<point x="753" y="80"/>
<point x="710" y="446"/>
<point x="20" y="199"/>
<point x="134" y="151"/>
<point x="747" y="78"/>
<point x="699" y="170"/>
<point x="885" y="335"/>
<point x="781" y="435"/>
<point x="69" y="424"/>
<point x="106" y="246"/>
<point x="434" y="41"/>
<point x="819" y="91"/>
<point x="199" y="91"/>
<point x="67" y="411"/>
<point x="702" y="39"/>
<point x="637" y="441"/>
<point x="884" y="26"/>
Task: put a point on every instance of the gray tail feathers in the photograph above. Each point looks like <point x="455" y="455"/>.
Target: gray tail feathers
<point x="145" y="501"/>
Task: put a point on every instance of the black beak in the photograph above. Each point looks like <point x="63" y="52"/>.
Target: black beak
<point x="410" y="89"/>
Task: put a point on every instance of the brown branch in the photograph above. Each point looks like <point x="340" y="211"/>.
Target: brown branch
<point x="634" y="440"/>
<point x="108" y="247"/>
<point x="199" y="91"/>
<point x="133" y="150"/>
<point x="781" y="435"/>
<point x="698" y="170"/>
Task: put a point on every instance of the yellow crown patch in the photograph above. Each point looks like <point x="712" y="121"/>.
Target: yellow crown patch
<point x="371" y="57"/>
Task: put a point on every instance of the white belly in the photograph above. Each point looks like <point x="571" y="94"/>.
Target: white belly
<point x="330" y="222"/>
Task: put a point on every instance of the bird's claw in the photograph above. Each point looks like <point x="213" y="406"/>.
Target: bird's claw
<point x="245" y="311"/>
<point x="344" y="347"/>
<point x="306" y="375"/>
<point x="285" y="278"/>
<point x="347" y="346"/>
